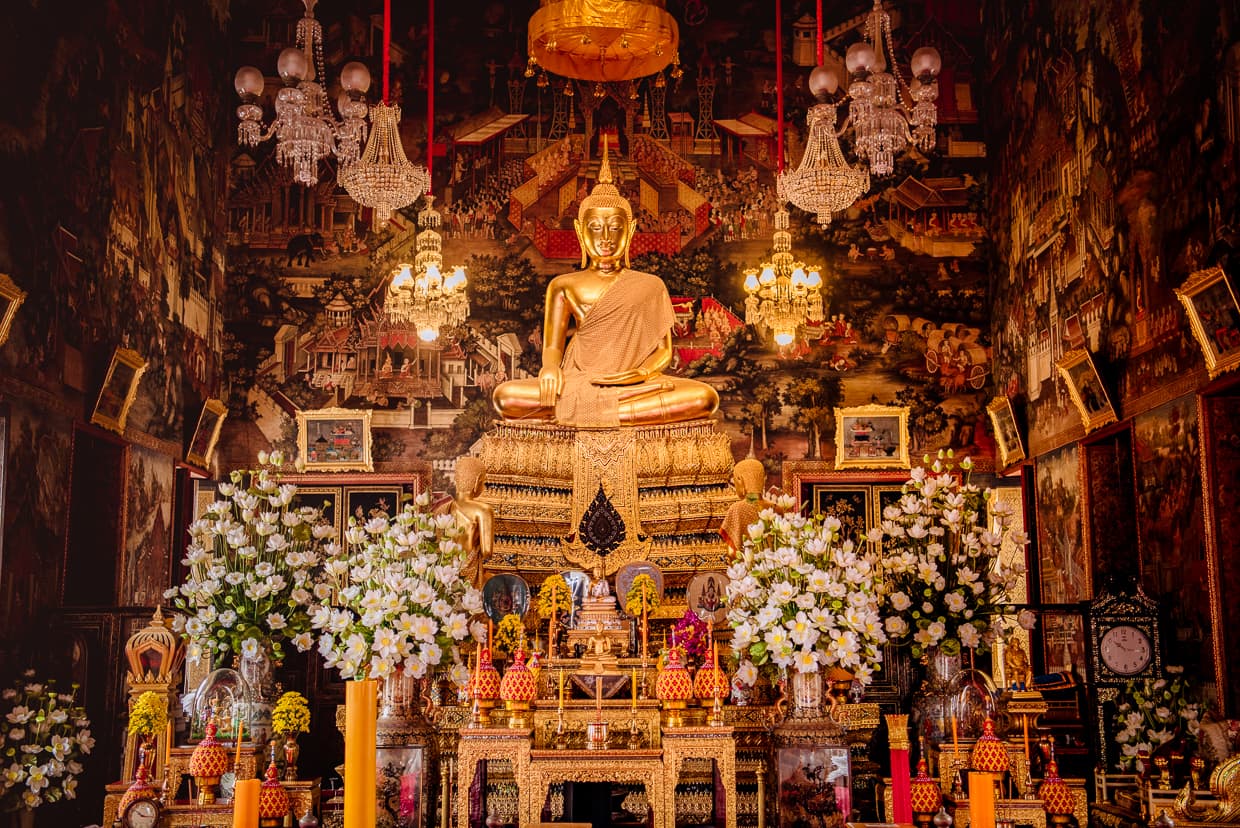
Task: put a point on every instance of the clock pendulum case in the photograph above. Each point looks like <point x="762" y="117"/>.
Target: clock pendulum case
<point x="1124" y="644"/>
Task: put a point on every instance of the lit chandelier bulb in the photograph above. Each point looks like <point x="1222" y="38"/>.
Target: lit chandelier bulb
<point x="784" y="338"/>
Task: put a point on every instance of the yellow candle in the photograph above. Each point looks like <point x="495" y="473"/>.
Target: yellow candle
<point x="1024" y="720"/>
<point x="245" y="803"/>
<point x="168" y="745"/>
<point x="981" y="800"/>
<point x="359" y="753"/>
<point x="955" y="739"/>
<point x="561" y="688"/>
<point x="633" y="681"/>
<point x="240" y="737"/>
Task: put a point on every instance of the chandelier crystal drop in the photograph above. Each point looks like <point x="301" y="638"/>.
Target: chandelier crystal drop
<point x="783" y="294"/>
<point x="881" y="112"/>
<point x="384" y="178"/>
<point x="823" y="183"/>
<point x="420" y="295"/>
<point x="305" y="129"/>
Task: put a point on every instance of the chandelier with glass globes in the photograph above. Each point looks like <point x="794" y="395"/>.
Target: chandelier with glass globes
<point x="420" y="296"/>
<point x="783" y="294"/>
<point x="305" y="129"/>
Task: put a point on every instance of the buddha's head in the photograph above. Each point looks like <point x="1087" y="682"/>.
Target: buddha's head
<point x="470" y="475"/>
<point x="749" y="477"/>
<point x="605" y="223"/>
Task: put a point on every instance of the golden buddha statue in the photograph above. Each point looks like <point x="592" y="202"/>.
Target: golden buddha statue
<point x="749" y="479"/>
<point x="611" y="372"/>
<point x="474" y="516"/>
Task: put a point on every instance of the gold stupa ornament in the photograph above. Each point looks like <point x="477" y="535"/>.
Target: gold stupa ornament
<point x="603" y="40"/>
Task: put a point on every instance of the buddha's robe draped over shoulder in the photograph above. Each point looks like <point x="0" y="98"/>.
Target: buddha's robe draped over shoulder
<point x="624" y="327"/>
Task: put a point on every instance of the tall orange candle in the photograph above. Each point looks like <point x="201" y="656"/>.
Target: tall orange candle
<point x="168" y="744"/>
<point x="561" y="688"/>
<point x="633" y="681"/>
<point x="955" y="740"/>
<point x="240" y="738"/>
<point x="1024" y="721"/>
<point x="361" y="712"/>
<point x="245" y="803"/>
<point x="981" y="800"/>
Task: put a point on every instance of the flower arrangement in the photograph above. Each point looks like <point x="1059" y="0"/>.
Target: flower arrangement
<point x="44" y="739"/>
<point x="393" y="596"/>
<point x="802" y="597"/>
<point x="1151" y="712"/>
<point x="642" y="597"/>
<point x="943" y="583"/>
<point x="689" y="634"/>
<point x="509" y="633"/>
<point x="291" y="715"/>
<point x="554" y="596"/>
<point x="251" y="558"/>
<point x="149" y="715"/>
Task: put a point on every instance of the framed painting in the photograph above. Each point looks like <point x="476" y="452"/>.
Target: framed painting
<point x="206" y="433"/>
<point x="1214" y="315"/>
<point x="884" y="496"/>
<point x="871" y="437"/>
<point x="1064" y="568"/>
<point x="364" y="502"/>
<point x="11" y="298"/>
<point x="1085" y="386"/>
<point x="707" y="596"/>
<point x="120" y="387"/>
<point x="334" y="440"/>
<point x="815" y="783"/>
<point x="848" y="504"/>
<point x="1007" y="435"/>
<point x="1063" y="641"/>
<point x="326" y="498"/>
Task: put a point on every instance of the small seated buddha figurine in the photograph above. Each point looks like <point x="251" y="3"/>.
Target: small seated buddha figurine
<point x="748" y="478"/>
<point x="475" y="517"/>
<point x="611" y="372"/>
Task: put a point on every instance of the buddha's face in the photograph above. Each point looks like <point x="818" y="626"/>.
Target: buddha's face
<point x="604" y="233"/>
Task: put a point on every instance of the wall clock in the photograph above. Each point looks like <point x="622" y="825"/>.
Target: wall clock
<point x="141" y="813"/>
<point x="1124" y="644"/>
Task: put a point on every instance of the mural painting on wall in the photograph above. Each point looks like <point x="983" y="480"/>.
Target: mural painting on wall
<point x="905" y="287"/>
<point x="1221" y="430"/>
<point x="148" y="527"/>
<point x="1117" y="192"/>
<point x="1169" y="523"/>
<point x="1063" y="562"/>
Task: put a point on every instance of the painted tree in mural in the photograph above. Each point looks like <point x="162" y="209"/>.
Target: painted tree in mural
<point x="693" y="273"/>
<point x="755" y="416"/>
<point x="815" y="398"/>
<point x="506" y="288"/>
<point x="926" y="416"/>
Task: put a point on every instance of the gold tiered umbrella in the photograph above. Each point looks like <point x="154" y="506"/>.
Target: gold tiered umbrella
<point x="603" y="40"/>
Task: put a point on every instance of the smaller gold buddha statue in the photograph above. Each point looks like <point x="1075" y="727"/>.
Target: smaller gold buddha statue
<point x="1016" y="668"/>
<point x="474" y="516"/>
<point x="749" y="479"/>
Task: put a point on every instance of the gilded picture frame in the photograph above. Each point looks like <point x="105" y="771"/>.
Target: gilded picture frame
<point x="871" y="437"/>
<point x="1213" y="311"/>
<point x="120" y="387"/>
<point x="11" y="298"/>
<point x="1007" y="434"/>
<point x="334" y="440"/>
<point x="206" y="434"/>
<point x="1086" y="388"/>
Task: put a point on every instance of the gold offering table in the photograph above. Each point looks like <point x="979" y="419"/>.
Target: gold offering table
<point x="669" y="484"/>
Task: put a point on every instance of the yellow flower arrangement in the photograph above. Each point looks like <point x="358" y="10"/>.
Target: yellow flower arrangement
<point x="291" y="714"/>
<point x="149" y="715"/>
<point x="554" y="596"/>
<point x="643" y="585"/>
<point x="509" y="633"/>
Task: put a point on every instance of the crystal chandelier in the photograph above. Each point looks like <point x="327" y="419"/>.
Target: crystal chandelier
<point x="783" y="294"/>
<point x="881" y="112"/>
<point x="305" y="129"/>
<point x="419" y="295"/>
<point x="824" y="183"/>
<point x="384" y="178"/>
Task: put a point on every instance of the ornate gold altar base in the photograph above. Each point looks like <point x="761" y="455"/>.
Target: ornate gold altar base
<point x="303" y="795"/>
<point x="671" y="485"/>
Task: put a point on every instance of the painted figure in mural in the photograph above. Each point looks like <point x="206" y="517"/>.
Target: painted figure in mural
<point x="748" y="478"/>
<point x="611" y="372"/>
<point x="476" y="517"/>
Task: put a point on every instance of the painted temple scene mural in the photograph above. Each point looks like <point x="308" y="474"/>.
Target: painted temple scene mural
<point x="583" y="411"/>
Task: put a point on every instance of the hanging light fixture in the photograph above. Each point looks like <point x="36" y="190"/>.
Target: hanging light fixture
<point x="383" y="178"/>
<point x="880" y="111"/>
<point x="824" y="183"/>
<point x="783" y="294"/>
<point x="602" y="40"/>
<point x="420" y="296"/>
<point x="305" y="129"/>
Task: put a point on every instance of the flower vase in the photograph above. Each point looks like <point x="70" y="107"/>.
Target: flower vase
<point x="805" y="695"/>
<point x="933" y="704"/>
<point x="292" y="751"/>
<point x="256" y="669"/>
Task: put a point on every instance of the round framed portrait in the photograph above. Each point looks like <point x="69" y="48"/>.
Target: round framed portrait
<point x="628" y="574"/>
<point x="707" y="596"/>
<point x="504" y="595"/>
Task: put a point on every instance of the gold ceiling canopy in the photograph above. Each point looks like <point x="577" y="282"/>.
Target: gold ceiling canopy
<point x="603" y="40"/>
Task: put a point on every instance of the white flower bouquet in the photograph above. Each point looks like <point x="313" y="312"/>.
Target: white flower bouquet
<point x="394" y="596"/>
<point x="1152" y="712"/>
<point x="44" y="737"/>
<point x="802" y="597"/>
<point x="252" y="558"/>
<point x="943" y="583"/>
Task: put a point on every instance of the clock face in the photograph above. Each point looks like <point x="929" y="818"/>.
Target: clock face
<point x="142" y="814"/>
<point x="1125" y="650"/>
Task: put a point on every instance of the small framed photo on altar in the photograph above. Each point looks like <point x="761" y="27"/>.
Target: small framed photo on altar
<point x="206" y="434"/>
<point x="120" y="387"/>
<point x="1007" y="435"/>
<point x="1085" y="386"/>
<point x="334" y="439"/>
<point x="11" y="298"/>
<point x="815" y="784"/>
<point x="871" y="437"/>
<point x="1214" y="313"/>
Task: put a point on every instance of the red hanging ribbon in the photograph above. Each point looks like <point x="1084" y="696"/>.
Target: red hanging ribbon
<point x="779" y="84"/>
<point x="387" y="49"/>
<point x="430" y="91"/>
<point x="820" y="48"/>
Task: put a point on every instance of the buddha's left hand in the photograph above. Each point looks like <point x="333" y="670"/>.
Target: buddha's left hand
<point x="629" y="377"/>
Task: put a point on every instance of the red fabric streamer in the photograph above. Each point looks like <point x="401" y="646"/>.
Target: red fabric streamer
<point x="820" y="49"/>
<point x="779" y="82"/>
<point x="901" y="787"/>
<point x="430" y="92"/>
<point x="387" y="49"/>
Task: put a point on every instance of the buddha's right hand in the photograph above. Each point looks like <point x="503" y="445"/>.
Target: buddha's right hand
<point x="550" y="382"/>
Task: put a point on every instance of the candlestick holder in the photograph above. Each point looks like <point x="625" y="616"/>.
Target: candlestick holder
<point x="635" y="735"/>
<point x="479" y="716"/>
<point x="957" y="786"/>
<point x="715" y="719"/>
<point x="643" y="688"/>
<point x="1164" y="772"/>
<point x="1196" y="765"/>
<point x="1030" y="792"/>
<point x="561" y="731"/>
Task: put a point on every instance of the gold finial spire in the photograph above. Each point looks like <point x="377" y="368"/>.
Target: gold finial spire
<point x="604" y="170"/>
